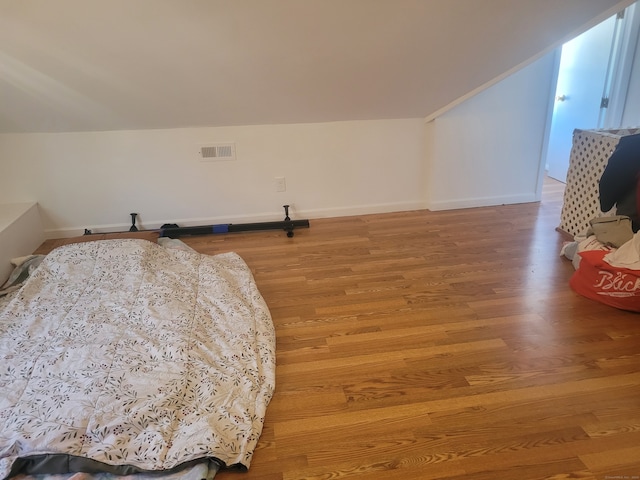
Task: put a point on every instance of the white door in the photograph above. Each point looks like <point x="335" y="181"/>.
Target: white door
<point x="582" y="75"/>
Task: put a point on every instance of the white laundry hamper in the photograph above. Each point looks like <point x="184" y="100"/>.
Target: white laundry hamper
<point x="590" y="153"/>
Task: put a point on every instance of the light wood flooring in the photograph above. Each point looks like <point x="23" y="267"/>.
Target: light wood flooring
<point x="428" y="345"/>
<point x="432" y="345"/>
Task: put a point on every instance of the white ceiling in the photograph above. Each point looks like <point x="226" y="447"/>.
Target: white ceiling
<point x="82" y="65"/>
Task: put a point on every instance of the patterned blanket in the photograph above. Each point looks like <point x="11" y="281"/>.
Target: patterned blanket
<point x="124" y="356"/>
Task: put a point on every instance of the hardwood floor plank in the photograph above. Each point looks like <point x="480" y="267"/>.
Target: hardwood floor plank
<point x="626" y="460"/>
<point x="433" y="345"/>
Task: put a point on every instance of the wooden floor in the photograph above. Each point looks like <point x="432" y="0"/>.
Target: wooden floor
<point x="427" y="345"/>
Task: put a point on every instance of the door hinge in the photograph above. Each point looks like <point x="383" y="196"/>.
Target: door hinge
<point x="620" y="15"/>
<point x="604" y="103"/>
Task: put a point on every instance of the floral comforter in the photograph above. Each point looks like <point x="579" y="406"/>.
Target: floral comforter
<point x="124" y="356"/>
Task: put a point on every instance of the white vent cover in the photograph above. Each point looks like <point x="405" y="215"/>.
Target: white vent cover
<point x="216" y="152"/>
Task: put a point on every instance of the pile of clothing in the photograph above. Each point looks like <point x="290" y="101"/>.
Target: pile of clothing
<point x="607" y="256"/>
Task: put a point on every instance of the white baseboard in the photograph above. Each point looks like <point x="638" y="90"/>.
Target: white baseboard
<point x="301" y="214"/>
<point x="481" y="202"/>
<point x="361" y="210"/>
<point x="294" y="214"/>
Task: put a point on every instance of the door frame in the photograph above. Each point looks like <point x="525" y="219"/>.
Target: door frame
<point x="621" y="74"/>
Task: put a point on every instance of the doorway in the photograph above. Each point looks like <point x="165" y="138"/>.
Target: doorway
<point x="590" y="77"/>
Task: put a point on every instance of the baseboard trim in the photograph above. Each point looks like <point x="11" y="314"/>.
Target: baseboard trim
<point x="439" y="205"/>
<point x="294" y="213"/>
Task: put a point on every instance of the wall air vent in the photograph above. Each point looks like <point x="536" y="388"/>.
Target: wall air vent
<point x="217" y="152"/>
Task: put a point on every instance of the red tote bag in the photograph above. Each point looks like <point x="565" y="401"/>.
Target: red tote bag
<point x="599" y="281"/>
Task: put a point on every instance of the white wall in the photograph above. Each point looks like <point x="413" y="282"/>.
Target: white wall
<point x="20" y="234"/>
<point x="487" y="150"/>
<point x="96" y="179"/>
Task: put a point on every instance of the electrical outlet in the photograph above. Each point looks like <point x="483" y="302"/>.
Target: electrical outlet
<point x="281" y="184"/>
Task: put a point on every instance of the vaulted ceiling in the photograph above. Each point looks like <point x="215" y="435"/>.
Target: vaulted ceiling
<point x="78" y="65"/>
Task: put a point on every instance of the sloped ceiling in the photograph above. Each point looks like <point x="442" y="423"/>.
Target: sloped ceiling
<point x="82" y="65"/>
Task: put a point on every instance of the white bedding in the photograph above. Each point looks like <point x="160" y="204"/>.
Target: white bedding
<point x="132" y="355"/>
